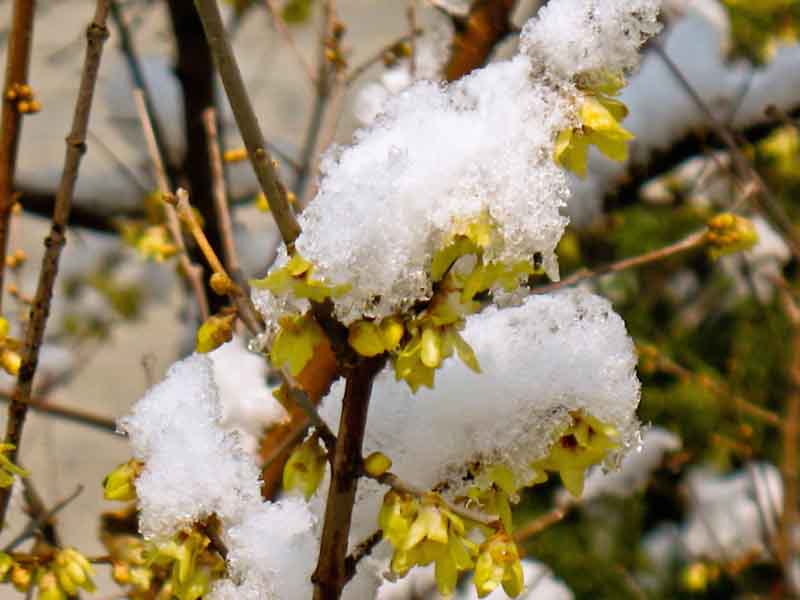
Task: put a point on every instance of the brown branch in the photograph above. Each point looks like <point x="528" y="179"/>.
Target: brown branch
<point x="74" y="415"/>
<point x="755" y="185"/>
<point x="192" y="271"/>
<point x="263" y="164"/>
<point x="690" y="242"/>
<point x="542" y="522"/>
<point x="221" y="206"/>
<point x="194" y="68"/>
<point x="486" y="25"/>
<point x="43" y="518"/>
<point x="361" y="551"/>
<point x="330" y="576"/>
<point x="96" y="34"/>
<point x="18" y="54"/>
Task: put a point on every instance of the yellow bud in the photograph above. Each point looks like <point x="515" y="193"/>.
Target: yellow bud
<point x="376" y="464"/>
<point x="728" y="233"/>
<point x="235" y="155"/>
<point x="221" y="284"/>
<point x="216" y="331"/>
<point x="119" y="484"/>
<point x="21" y="578"/>
<point x="49" y="588"/>
<point x="5" y="327"/>
<point x="120" y="573"/>
<point x="10" y="361"/>
<point x="305" y="468"/>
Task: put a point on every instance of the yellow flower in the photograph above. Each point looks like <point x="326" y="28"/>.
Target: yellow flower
<point x="586" y="442"/>
<point x="600" y="118"/>
<point x="73" y="571"/>
<point x="498" y="564"/>
<point x="6" y="562"/>
<point x="153" y="242"/>
<point x="295" y="343"/>
<point x="119" y="484"/>
<point x="493" y="493"/>
<point x="371" y="339"/>
<point x="7" y="468"/>
<point x="376" y="464"/>
<point x="305" y="468"/>
<point x="296" y="277"/>
<point x="423" y="532"/>
<point x="49" y="588"/>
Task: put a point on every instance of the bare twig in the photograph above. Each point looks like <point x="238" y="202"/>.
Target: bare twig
<point x="74" y="415"/>
<point x="283" y="30"/>
<point x="328" y="88"/>
<point x="221" y="206"/>
<point x="361" y="551"/>
<point x="41" y="520"/>
<point x="411" y="15"/>
<point x="690" y="242"/>
<point x="193" y="272"/>
<point x="244" y="305"/>
<point x="754" y="183"/>
<point x="791" y="448"/>
<point x="18" y="54"/>
<point x="35" y="508"/>
<point x="330" y="576"/>
<point x="263" y="164"/>
<point x="96" y="35"/>
<point x="542" y="522"/>
<point x="358" y="71"/>
<point x="138" y="81"/>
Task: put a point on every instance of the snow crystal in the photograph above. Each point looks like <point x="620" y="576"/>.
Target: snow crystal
<point x="584" y="37"/>
<point x="554" y="354"/>
<point x="271" y="553"/>
<point x="247" y="403"/>
<point x="731" y="516"/>
<point x="192" y="467"/>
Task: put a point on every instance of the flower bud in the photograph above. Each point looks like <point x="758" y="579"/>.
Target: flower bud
<point x="119" y="484"/>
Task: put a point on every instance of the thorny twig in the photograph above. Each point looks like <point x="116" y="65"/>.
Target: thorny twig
<point x="96" y="34"/>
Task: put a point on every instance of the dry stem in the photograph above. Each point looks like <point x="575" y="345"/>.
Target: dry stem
<point x="193" y="272"/>
<point x="263" y="164"/>
<point x="690" y="242"/>
<point x="18" y="54"/>
<point x="96" y="35"/>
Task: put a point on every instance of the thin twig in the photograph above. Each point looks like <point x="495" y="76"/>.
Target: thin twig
<point x="244" y="305"/>
<point x="41" y="520"/>
<point x="283" y="30"/>
<point x="96" y="34"/>
<point x="192" y="271"/>
<point x="690" y="242"/>
<point x="361" y="551"/>
<point x="747" y="173"/>
<point x="356" y="72"/>
<point x="791" y="448"/>
<point x="73" y="415"/>
<point x="36" y="509"/>
<point x="330" y="575"/>
<point x="327" y="82"/>
<point x="302" y="400"/>
<point x="411" y="15"/>
<point x="263" y="164"/>
<point x="221" y="207"/>
<point x="138" y="81"/>
<point x="18" y="53"/>
<point x="542" y="522"/>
